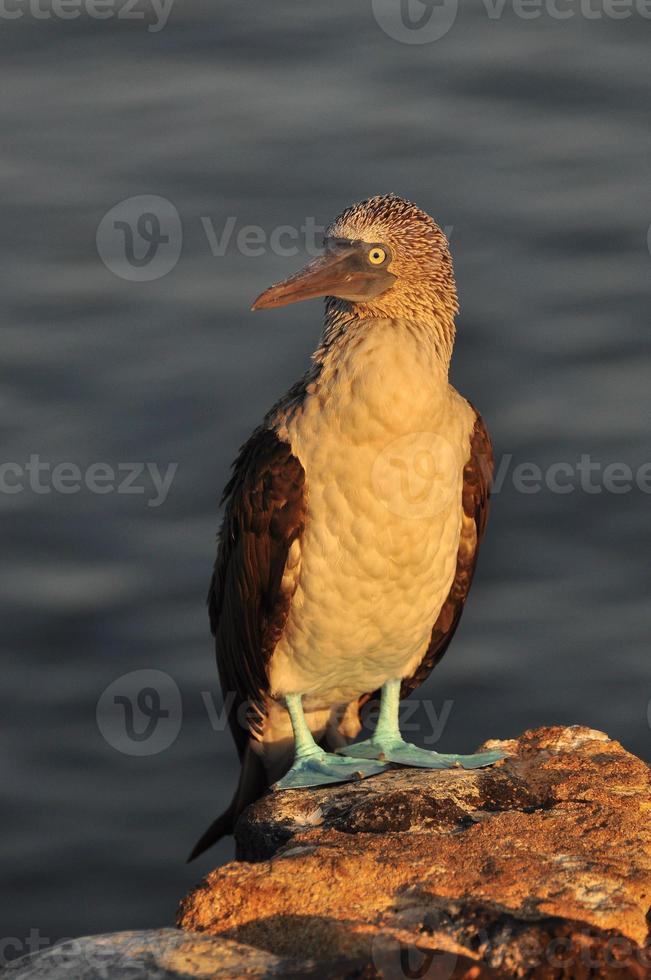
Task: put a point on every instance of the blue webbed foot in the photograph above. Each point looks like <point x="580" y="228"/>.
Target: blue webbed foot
<point x="387" y="745"/>
<point x="320" y="768"/>
<point x="401" y="752"/>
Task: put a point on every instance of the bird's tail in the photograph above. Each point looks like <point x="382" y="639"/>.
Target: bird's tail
<point x="252" y="784"/>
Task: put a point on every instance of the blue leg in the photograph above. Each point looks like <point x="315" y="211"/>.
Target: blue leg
<point x="313" y="766"/>
<point x="388" y="745"/>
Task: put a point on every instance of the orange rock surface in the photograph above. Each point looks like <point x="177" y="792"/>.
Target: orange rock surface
<point x="537" y="867"/>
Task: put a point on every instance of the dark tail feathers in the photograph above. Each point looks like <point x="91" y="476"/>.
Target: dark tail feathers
<point x="219" y="828"/>
<point x="251" y="786"/>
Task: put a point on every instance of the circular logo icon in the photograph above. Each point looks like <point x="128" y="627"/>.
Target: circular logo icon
<point x="140" y="238"/>
<point x="140" y="713"/>
<point x="396" y="960"/>
<point x="415" y="21"/>
<point x="416" y="475"/>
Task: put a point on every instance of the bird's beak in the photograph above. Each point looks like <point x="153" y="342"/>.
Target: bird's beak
<point x="343" y="271"/>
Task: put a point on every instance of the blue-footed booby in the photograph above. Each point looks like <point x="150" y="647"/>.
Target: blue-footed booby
<point x="353" y="517"/>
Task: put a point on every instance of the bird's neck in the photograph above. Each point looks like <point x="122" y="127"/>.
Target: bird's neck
<point x="378" y="377"/>
<point x="347" y="326"/>
<point x="371" y="379"/>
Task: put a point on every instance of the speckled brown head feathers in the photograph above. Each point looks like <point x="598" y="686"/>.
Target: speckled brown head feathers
<point x="425" y="290"/>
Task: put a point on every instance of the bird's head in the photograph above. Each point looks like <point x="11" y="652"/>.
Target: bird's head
<point x="383" y="258"/>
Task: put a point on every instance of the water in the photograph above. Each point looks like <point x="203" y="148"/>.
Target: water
<point x="531" y="140"/>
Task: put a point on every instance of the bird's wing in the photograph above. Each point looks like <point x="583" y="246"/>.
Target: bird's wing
<point x="248" y="606"/>
<point x="477" y="477"/>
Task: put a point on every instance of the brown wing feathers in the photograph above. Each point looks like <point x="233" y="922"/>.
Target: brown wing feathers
<point x="265" y="513"/>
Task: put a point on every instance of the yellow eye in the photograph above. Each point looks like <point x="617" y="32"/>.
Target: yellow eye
<point x="377" y="255"/>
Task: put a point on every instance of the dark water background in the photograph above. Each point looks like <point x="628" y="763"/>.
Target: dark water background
<point x="531" y="140"/>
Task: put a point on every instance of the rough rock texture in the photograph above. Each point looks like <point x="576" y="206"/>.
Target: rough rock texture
<point x="537" y="867"/>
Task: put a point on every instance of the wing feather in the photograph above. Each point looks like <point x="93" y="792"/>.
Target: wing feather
<point x="264" y="514"/>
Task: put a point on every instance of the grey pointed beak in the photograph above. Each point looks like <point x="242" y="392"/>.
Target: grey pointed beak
<point x="343" y="271"/>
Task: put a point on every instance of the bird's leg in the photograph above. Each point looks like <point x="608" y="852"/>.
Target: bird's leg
<point x="312" y="765"/>
<point x="387" y="744"/>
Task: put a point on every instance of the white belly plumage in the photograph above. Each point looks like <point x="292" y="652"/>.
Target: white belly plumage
<point x="383" y="451"/>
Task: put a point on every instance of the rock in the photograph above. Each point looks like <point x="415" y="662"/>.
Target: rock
<point x="537" y="867"/>
<point x="154" y="954"/>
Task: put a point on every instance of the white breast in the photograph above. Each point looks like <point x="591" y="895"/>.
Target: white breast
<point x="383" y="440"/>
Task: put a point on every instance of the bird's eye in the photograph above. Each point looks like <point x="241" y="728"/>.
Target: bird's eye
<point x="377" y="255"/>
